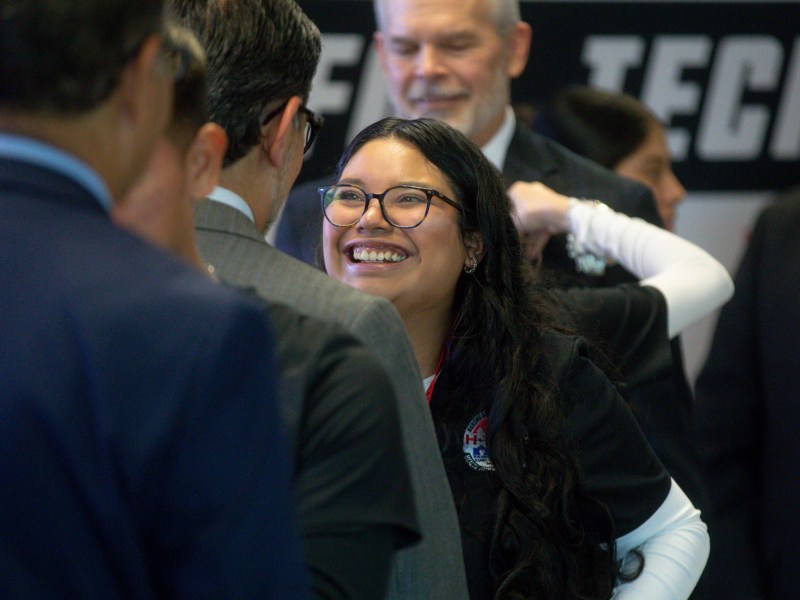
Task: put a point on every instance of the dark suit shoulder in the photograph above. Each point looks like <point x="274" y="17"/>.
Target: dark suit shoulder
<point x="781" y="216"/>
<point x="139" y="371"/>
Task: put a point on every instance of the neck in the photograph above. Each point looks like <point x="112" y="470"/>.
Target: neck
<point x="246" y="178"/>
<point x="84" y="136"/>
<point x="427" y="332"/>
<point x="481" y="138"/>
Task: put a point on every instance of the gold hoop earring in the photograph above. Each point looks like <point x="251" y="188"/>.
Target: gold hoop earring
<point x="473" y="268"/>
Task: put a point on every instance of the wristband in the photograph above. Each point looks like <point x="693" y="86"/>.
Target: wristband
<point x="586" y="261"/>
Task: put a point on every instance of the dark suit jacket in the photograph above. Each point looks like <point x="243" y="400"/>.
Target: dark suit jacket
<point x="354" y="499"/>
<point x="300" y="225"/>
<point x="748" y="401"/>
<point x="142" y="453"/>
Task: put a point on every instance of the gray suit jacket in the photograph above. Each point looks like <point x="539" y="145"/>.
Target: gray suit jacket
<point x="231" y="243"/>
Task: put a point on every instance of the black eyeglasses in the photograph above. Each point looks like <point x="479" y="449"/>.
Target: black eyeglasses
<point x="314" y="122"/>
<point x="404" y="206"/>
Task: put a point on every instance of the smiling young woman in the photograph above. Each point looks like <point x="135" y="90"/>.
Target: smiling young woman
<point x="417" y="268"/>
<point x="551" y="476"/>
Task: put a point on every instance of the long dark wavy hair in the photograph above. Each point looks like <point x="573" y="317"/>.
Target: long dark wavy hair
<point x="538" y="546"/>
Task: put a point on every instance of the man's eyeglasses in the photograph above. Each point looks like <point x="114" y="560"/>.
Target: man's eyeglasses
<point x="313" y="122"/>
<point x="404" y="206"/>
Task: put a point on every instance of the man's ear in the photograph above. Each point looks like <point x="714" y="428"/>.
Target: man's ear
<point x="277" y="134"/>
<point x="473" y="243"/>
<point x="378" y="42"/>
<point x="143" y="105"/>
<point x="519" y="48"/>
<point x="145" y="89"/>
<point x="204" y="160"/>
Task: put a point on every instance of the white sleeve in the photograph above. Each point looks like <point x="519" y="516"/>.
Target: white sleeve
<point x="675" y="545"/>
<point x="692" y="281"/>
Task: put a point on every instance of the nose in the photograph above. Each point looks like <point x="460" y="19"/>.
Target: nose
<point x="676" y="193"/>
<point x="373" y="217"/>
<point x="428" y="63"/>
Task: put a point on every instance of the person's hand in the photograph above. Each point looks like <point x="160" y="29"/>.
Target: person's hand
<point x="538" y="212"/>
<point x="537" y="208"/>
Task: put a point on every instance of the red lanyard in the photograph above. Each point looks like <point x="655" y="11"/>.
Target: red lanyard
<point x="429" y="391"/>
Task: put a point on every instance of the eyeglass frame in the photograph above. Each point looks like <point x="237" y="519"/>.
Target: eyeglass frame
<point x="314" y="122"/>
<point x="429" y="194"/>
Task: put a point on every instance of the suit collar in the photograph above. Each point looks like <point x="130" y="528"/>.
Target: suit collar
<point x="215" y="216"/>
<point x="42" y="184"/>
<point x="497" y="147"/>
<point x="232" y="199"/>
<point x="37" y="152"/>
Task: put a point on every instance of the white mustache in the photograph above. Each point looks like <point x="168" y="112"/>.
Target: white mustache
<point x="433" y="91"/>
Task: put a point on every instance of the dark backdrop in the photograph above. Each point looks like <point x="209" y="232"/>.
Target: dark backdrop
<point x="724" y="77"/>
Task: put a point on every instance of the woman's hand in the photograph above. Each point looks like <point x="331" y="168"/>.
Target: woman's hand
<point x="538" y="212"/>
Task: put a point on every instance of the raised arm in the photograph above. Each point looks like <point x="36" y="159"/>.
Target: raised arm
<point x="691" y="280"/>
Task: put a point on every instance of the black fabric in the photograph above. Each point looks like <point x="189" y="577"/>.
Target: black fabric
<point x="618" y="465"/>
<point x="628" y="323"/>
<point x="354" y="499"/>
<point x="748" y="400"/>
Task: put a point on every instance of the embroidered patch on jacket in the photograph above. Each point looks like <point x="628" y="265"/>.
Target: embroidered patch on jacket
<point x="476" y="453"/>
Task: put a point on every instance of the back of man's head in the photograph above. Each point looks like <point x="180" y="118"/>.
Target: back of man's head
<point x="65" y="57"/>
<point x="259" y="52"/>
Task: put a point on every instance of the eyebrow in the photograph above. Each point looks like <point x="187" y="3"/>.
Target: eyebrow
<point x="458" y="36"/>
<point x="360" y="183"/>
<point x="449" y="37"/>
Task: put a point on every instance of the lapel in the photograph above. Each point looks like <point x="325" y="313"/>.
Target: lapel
<point x="232" y="244"/>
<point x="528" y="158"/>
<point x="215" y="216"/>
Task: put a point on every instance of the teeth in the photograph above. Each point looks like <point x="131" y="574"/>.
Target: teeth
<point x="366" y="255"/>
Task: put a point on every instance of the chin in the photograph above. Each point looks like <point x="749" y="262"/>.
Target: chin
<point x="371" y="287"/>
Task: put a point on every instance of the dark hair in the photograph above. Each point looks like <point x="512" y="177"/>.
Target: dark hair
<point x="64" y="57"/>
<point x="604" y="126"/>
<point x="186" y="61"/>
<point x="259" y="52"/>
<point x="538" y="546"/>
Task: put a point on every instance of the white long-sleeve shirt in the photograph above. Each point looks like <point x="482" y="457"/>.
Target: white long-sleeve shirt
<point x="675" y="545"/>
<point x="692" y="281"/>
